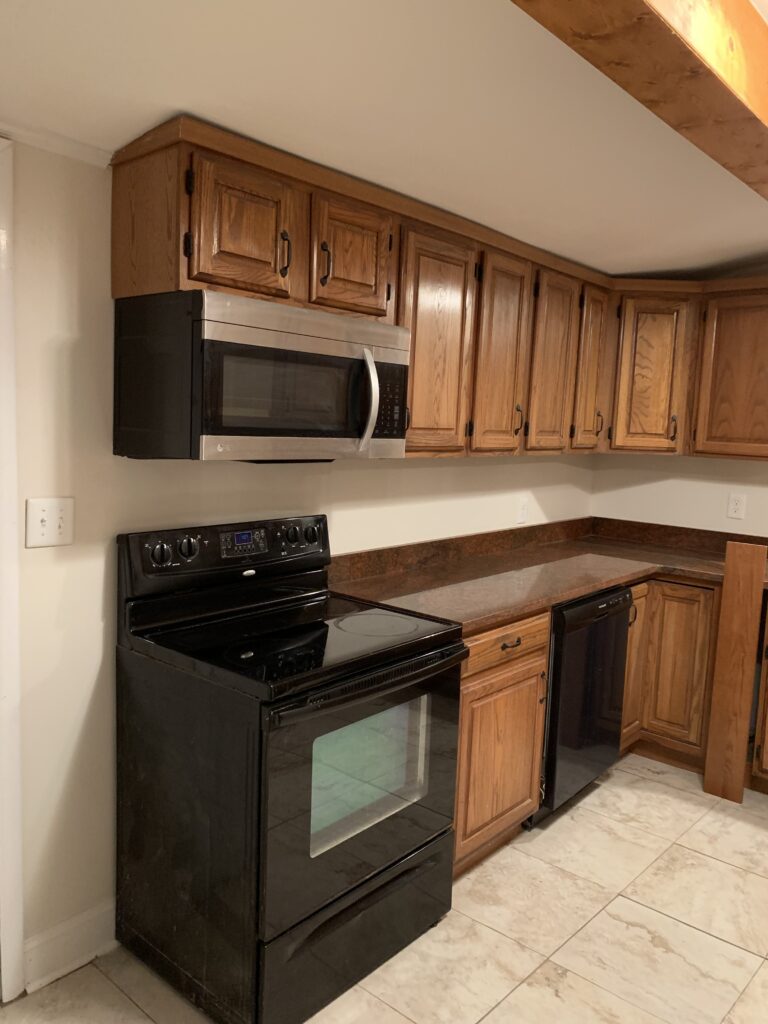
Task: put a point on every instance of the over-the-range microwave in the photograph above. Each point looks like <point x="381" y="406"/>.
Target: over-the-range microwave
<point x="207" y="375"/>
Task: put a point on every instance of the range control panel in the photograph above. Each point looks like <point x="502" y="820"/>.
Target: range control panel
<point x="206" y="548"/>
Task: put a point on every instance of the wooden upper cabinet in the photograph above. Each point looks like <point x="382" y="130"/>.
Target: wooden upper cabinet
<point x="438" y="303"/>
<point x="631" y="720"/>
<point x="351" y="246"/>
<point x="652" y="380"/>
<point x="249" y="229"/>
<point x="501" y="734"/>
<point x="679" y="642"/>
<point x="555" y="343"/>
<point x="589" y="419"/>
<point x="503" y="352"/>
<point x="733" y="390"/>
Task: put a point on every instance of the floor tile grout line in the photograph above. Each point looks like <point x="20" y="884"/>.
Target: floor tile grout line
<point x="373" y="995"/>
<point x="122" y="991"/>
<point x="720" y="860"/>
<point x="647" y="831"/>
<point x="504" y="935"/>
<point x="602" y="988"/>
<point x="695" y="927"/>
<point x="738" y="997"/>
<point x="567" y="871"/>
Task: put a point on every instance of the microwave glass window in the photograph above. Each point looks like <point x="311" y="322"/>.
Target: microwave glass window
<point x="290" y="393"/>
<point x="367" y="771"/>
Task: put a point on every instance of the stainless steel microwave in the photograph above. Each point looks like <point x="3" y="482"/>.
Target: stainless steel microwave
<point x="207" y="375"/>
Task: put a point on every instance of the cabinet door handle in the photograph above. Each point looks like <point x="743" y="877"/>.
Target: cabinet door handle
<point x="285" y="237"/>
<point x="508" y="647"/>
<point x="633" y="618"/>
<point x="324" y="247"/>
<point x="519" y="410"/>
<point x="599" y="430"/>
<point x="673" y="427"/>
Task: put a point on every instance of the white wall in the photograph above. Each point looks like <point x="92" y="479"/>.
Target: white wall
<point x="681" y="491"/>
<point x="64" y="330"/>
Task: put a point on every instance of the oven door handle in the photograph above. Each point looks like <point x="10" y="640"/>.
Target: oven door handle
<point x="373" y="411"/>
<point x="351" y="693"/>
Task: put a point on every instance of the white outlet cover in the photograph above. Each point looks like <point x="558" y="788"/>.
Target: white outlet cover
<point x="50" y="522"/>
<point x="737" y="506"/>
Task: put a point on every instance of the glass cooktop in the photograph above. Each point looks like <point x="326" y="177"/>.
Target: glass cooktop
<point x="314" y="637"/>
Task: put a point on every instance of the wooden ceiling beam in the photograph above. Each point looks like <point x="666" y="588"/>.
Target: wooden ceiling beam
<point x="699" y="65"/>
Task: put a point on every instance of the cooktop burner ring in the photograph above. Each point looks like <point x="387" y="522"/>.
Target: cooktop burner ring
<point x="377" y="623"/>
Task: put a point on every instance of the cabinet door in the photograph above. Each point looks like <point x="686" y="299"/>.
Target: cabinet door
<point x="555" y="341"/>
<point x="250" y="229"/>
<point x="501" y="732"/>
<point x="589" y="420"/>
<point x="351" y="245"/>
<point x="438" y="305"/>
<point x="652" y="377"/>
<point x="760" y="760"/>
<point x="631" y="721"/>
<point x="733" y="395"/>
<point x="503" y="349"/>
<point x="679" y="631"/>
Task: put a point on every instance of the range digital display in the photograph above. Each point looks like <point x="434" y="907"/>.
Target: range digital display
<point x="244" y="538"/>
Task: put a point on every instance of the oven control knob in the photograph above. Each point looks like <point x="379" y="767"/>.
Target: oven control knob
<point x="292" y="534"/>
<point x="189" y="547"/>
<point x="161" y="553"/>
<point x="310" y="534"/>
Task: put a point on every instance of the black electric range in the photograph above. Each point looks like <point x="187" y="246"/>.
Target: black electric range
<point x="286" y="763"/>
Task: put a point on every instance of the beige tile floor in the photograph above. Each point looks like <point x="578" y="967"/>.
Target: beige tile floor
<point x="647" y="901"/>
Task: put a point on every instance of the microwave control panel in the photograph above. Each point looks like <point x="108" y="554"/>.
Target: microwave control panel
<point x="393" y="396"/>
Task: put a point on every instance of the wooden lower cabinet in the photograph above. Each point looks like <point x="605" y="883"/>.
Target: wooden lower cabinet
<point x="760" y="760"/>
<point x="632" y="716"/>
<point x="678" y="641"/>
<point x="501" y="735"/>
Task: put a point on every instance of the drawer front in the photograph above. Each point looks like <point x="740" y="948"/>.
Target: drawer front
<point x="506" y="644"/>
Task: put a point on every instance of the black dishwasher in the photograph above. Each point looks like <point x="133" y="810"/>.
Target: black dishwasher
<point x="586" y="694"/>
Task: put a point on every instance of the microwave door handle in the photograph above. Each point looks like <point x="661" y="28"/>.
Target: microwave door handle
<point x="373" y="412"/>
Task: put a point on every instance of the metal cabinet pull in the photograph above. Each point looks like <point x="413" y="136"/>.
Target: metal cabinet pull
<point x="285" y="237"/>
<point x="673" y="427"/>
<point x="324" y="247"/>
<point x="508" y="647"/>
<point x="599" y="430"/>
<point x="519" y="409"/>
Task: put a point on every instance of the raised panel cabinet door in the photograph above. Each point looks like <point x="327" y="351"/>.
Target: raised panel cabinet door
<point x="651" y="386"/>
<point x="503" y="350"/>
<point x="555" y="342"/>
<point x="589" y="420"/>
<point x="249" y="229"/>
<point x="501" y="733"/>
<point x="438" y="306"/>
<point x="679" y="627"/>
<point x="733" y="387"/>
<point x="631" y="720"/>
<point x="351" y="246"/>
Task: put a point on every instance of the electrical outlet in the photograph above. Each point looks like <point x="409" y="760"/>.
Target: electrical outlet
<point x="522" y="512"/>
<point x="50" y="522"/>
<point x="737" y="506"/>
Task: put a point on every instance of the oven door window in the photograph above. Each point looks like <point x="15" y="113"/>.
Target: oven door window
<point x="352" y="789"/>
<point x="366" y="771"/>
<point x="249" y="390"/>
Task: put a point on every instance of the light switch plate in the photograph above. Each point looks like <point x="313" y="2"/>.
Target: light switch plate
<point x="737" y="506"/>
<point x="50" y="522"/>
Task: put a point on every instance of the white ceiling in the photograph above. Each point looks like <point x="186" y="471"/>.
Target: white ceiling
<point x="472" y="106"/>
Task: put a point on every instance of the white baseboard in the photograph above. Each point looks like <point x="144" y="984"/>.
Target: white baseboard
<point x="69" y="945"/>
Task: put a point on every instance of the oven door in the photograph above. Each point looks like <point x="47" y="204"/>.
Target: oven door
<point x="274" y="395"/>
<point x="353" y="781"/>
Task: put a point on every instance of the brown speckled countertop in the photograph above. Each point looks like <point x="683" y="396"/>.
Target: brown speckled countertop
<point x="486" y="590"/>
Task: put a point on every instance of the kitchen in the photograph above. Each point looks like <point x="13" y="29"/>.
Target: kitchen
<point x="414" y="533"/>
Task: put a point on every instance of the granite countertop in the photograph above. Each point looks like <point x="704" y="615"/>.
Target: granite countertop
<point x="486" y="591"/>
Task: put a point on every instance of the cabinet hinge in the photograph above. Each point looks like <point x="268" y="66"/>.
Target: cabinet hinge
<point x="572" y="431"/>
<point x="390" y="241"/>
<point x="189" y="181"/>
<point x="470" y="428"/>
<point x="187" y="243"/>
<point x="479" y="271"/>
<point x="389" y="291"/>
